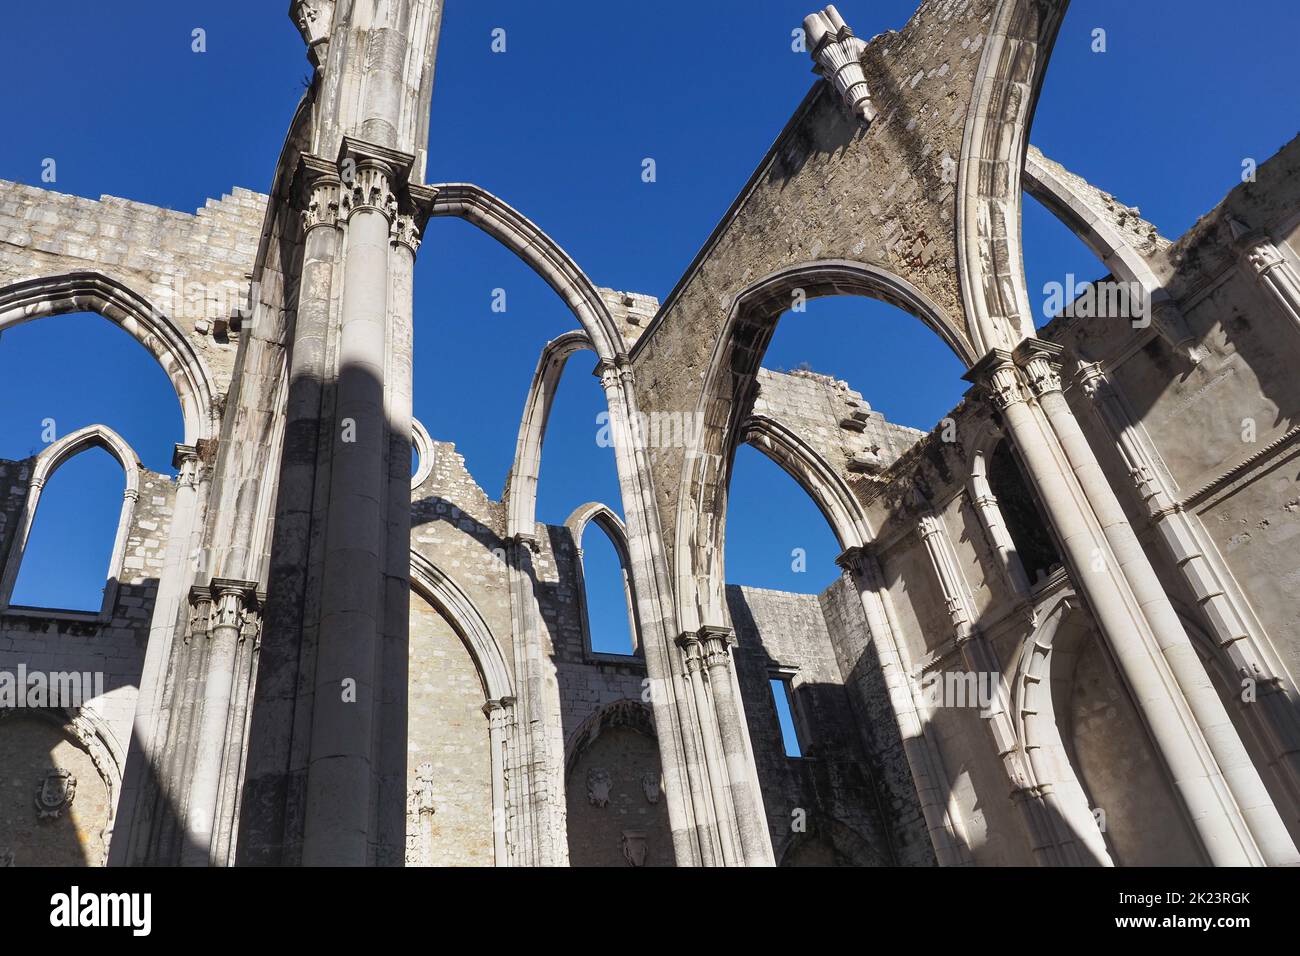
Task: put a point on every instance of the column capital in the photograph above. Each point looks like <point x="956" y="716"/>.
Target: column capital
<point x="319" y="186"/>
<point x="372" y="175"/>
<point x="1041" y="361"/>
<point x="999" y="378"/>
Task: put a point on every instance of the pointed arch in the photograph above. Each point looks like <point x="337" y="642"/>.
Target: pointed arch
<point x="843" y="511"/>
<point x="446" y="596"/>
<point x="616" y="532"/>
<point x="727" y="396"/>
<point x="89" y="291"/>
<point x="47" y="462"/>
<point x="540" y="252"/>
<point x="526" y="470"/>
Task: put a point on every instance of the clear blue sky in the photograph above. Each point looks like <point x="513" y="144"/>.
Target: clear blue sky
<point x="558" y="126"/>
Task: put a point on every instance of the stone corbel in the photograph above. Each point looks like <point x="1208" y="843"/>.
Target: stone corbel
<point x="838" y="55"/>
<point x="314" y="20"/>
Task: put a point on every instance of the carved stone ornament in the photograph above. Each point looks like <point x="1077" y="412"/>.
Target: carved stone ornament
<point x="650" y="786"/>
<point x="634" y="847"/>
<point x="599" y="783"/>
<point x="420" y="800"/>
<point x="838" y="55"/>
<point x="55" y="793"/>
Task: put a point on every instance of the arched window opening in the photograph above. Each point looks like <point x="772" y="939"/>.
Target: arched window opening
<point x="607" y="593"/>
<point x="776" y="537"/>
<point x="71" y="541"/>
<point x="1025" y="524"/>
<point x="578" y="453"/>
<point x="37" y="406"/>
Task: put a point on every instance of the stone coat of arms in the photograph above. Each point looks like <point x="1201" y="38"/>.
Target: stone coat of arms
<point x="54" y="794"/>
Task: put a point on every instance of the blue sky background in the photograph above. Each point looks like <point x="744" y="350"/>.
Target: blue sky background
<point x="558" y="125"/>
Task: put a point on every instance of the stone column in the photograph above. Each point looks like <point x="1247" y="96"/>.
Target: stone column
<point x="933" y="788"/>
<point x="342" y="822"/>
<point x="537" y="810"/>
<point x="1053" y="844"/>
<point x="1042" y="366"/>
<point x="1197" y="779"/>
<point x="691" y="808"/>
<point x="1271" y="269"/>
<point x="500" y="715"/>
<point x="1191" y="551"/>
<point x="231" y="602"/>
<point x="995" y="527"/>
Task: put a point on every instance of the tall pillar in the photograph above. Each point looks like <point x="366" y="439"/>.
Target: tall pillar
<point x="1197" y="778"/>
<point x="933" y="787"/>
<point x="711" y="785"/>
<point x="1053" y="844"/>
<point x="1042" y="366"/>
<point x="232" y="603"/>
<point x="1194" y="554"/>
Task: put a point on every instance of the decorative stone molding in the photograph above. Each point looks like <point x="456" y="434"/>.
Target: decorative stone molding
<point x="599" y="783"/>
<point x="838" y="55"/>
<point x="1269" y="266"/>
<point x="314" y="19"/>
<point x="999" y="378"/>
<point x="55" y="793"/>
<point x="1041" y="361"/>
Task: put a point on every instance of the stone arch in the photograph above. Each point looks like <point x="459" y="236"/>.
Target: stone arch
<point x="1018" y="42"/>
<point x="827" y="835"/>
<point x="95" y="292"/>
<point x="49" y="461"/>
<point x="828" y="490"/>
<point x="618" y="802"/>
<point x="1045" y="693"/>
<point x="540" y="252"/>
<point x="86" y="731"/>
<point x="726" y="399"/>
<point x="1044" y="181"/>
<point x="423" y="452"/>
<point x="616" y="532"/>
<point x="524" y="474"/>
<point x="454" y="604"/>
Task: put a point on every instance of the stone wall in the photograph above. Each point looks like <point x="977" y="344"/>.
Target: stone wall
<point x="191" y="266"/>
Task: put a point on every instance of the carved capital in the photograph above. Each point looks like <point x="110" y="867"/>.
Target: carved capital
<point x="715" y="643"/>
<point x="998" y="377"/>
<point x="1041" y="361"/>
<point x="188" y="464"/>
<point x="838" y="55"/>
<point x="1092" y="379"/>
<point x="371" y="176"/>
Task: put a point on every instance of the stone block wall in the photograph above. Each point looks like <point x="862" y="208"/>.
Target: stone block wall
<point x="190" y="266"/>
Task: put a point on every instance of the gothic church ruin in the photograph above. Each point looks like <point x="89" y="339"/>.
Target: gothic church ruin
<point x="1066" y="627"/>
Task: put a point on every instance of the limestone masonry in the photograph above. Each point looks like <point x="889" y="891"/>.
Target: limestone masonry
<point x="1066" y="627"/>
